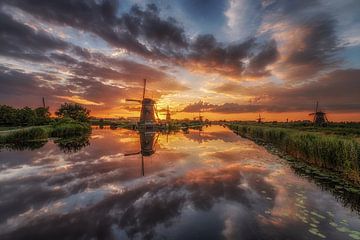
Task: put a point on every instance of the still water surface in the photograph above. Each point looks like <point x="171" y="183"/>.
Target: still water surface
<point x="211" y="184"/>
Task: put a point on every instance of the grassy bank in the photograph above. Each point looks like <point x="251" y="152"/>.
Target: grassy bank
<point x="332" y="152"/>
<point x="37" y="133"/>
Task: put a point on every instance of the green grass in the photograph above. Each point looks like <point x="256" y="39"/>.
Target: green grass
<point x="332" y="152"/>
<point x="26" y="134"/>
<point x="36" y="133"/>
<point x="70" y="130"/>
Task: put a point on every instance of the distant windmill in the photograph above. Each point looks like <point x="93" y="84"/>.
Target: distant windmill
<point x="259" y="119"/>
<point x="167" y="114"/>
<point x="148" y="110"/>
<point x="319" y="117"/>
<point x="200" y="116"/>
<point x="43" y="102"/>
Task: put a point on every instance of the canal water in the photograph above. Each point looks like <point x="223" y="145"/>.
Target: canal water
<point x="118" y="184"/>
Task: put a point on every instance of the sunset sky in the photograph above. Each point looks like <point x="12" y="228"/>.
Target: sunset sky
<point x="233" y="59"/>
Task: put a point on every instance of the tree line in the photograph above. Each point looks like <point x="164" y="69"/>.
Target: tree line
<point x="26" y="116"/>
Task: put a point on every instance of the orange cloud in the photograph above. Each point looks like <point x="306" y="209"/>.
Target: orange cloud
<point x="78" y="99"/>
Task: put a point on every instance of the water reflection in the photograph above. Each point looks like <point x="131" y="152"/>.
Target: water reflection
<point x="147" y="144"/>
<point x="21" y="146"/>
<point x="67" y="145"/>
<point x="207" y="185"/>
<point x="72" y="145"/>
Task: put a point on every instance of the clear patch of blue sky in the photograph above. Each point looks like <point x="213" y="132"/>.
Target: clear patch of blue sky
<point x="207" y="15"/>
<point x="351" y="56"/>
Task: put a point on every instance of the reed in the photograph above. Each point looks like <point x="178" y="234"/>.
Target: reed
<point x="71" y="129"/>
<point x="58" y="130"/>
<point x="327" y="151"/>
<point x="23" y="135"/>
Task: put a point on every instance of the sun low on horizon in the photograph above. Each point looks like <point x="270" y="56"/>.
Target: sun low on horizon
<point x="225" y="59"/>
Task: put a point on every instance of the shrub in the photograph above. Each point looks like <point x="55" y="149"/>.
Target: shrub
<point x="70" y="129"/>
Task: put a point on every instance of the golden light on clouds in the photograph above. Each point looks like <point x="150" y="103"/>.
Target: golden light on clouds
<point x="78" y="99"/>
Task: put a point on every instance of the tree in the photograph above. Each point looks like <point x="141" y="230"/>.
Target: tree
<point x="25" y="116"/>
<point x="74" y="111"/>
<point x="42" y="115"/>
<point x="7" y="116"/>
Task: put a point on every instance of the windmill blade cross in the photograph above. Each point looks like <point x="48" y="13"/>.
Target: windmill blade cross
<point x="133" y="100"/>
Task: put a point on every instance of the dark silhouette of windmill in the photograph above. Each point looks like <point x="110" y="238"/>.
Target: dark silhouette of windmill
<point x="259" y="119"/>
<point x="148" y="110"/>
<point x="167" y="114"/>
<point x="319" y="117"/>
<point x="43" y="102"/>
<point x="201" y="117"/>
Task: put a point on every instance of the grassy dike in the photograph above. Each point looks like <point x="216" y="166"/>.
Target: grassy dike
<point x="331" y="152"/>
<point x="37" y="133"/>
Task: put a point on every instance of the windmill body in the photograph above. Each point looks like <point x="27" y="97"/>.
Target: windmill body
<point x="259" y="119"/>
<point x="147" y="114"/>
<point x="168" y="115"/>
<point x="319" y="117"/>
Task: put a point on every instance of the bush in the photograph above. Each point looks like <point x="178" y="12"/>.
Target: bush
<point x="70" y="129"/>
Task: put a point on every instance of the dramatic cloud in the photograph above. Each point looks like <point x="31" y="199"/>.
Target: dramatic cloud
<point x="21" y="41"/>
<point x="258" y="55"/>
<point x="337" y="91"/>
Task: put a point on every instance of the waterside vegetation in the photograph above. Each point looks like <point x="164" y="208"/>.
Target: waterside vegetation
<point x="333" y="152"/>
<point x="71" y="121"/>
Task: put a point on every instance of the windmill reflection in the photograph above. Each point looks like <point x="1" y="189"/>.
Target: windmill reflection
<point x="148" y="141"/>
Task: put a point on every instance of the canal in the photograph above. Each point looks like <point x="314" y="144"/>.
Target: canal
<point x="119" y="184"/>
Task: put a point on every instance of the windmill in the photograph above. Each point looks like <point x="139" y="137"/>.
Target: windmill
<point x="259" y="119"/>
<point x="147" y="143"/>
<point x="169" y="113"/>
<point x="201" y="117"/>
<point x="43" y="102"/>
<point x="319" y="117"/>
<point x="148" y="110"/>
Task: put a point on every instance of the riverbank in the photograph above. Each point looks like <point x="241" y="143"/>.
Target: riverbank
<point x="40" y="133"/>
<point x="333" y="152"/>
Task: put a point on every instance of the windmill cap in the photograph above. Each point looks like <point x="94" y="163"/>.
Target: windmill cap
<point x="148" y="100"/>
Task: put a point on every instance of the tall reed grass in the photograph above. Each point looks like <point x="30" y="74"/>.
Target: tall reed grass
<point x="70" y="130"/>
<point x="61" y="130"/>
<point x="327" y="151"/>
<point x="23" y="135"/>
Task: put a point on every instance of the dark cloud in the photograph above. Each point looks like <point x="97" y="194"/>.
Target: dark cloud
<point x="199" y="106"/>
<point x="230" y="60"/>
<point x="21" y="41"/>
<point x="100" y="18"/>
<point x="142" y="31"/>
<point x="268" y="55"/>
<point x="213" y="56"/>
<point x="317" y="47"/>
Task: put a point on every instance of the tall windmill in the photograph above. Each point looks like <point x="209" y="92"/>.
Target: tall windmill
<point x="148" y="111"/>
<point x="259" y="119"/>
<point x="319" y="117"/>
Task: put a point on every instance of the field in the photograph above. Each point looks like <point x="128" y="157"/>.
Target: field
<point x="335" y="147"/>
